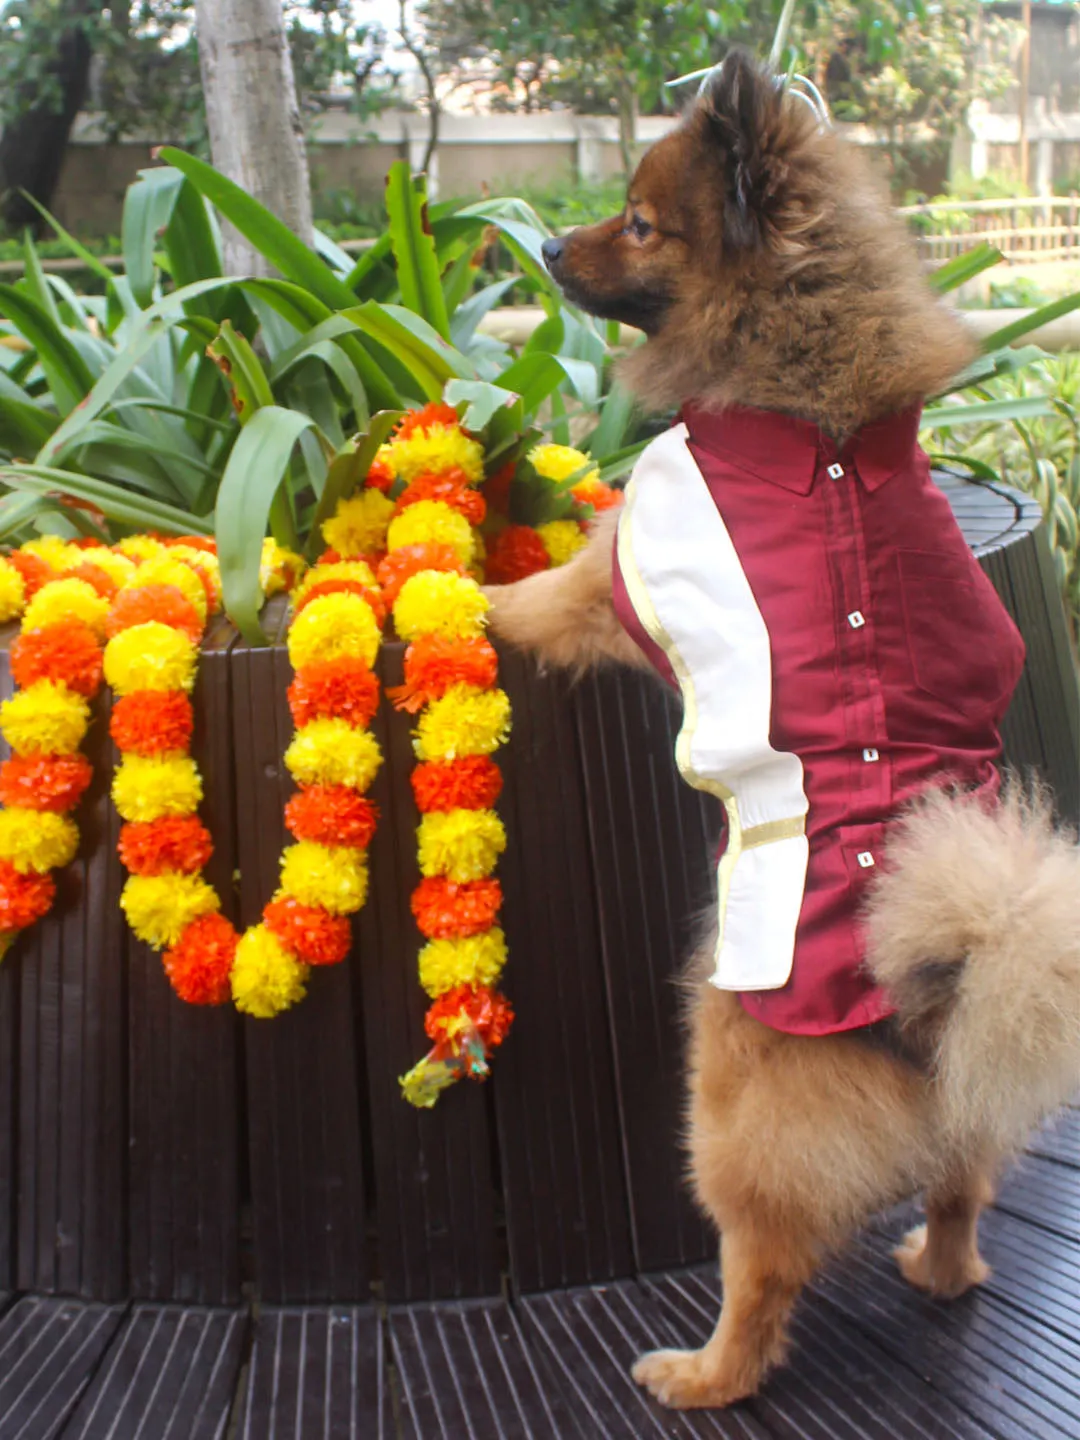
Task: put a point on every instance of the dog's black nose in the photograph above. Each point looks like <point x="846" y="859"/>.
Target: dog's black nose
<point x="552" y="251"/>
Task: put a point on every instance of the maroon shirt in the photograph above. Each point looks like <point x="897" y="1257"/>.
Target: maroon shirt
<point x="893" y="661"/>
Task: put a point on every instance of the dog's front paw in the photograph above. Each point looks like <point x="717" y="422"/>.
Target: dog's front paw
<point x="947" y="1275"/>
<point x="686" y="1380"/>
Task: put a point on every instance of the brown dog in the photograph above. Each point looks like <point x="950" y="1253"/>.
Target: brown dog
<point x="766" y="270"/>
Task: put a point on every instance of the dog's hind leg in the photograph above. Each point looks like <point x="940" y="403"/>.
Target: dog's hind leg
<point x="764" y="1268"/>
<point x="942" y="1256"/>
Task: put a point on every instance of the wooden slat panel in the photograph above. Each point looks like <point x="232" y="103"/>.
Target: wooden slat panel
<point x="49" y="1349"/>
<point x="169" y="1374"/>
<point x="184" y="1071"/>
<point x="561" y="1159"/>
<point x="302" y="1103"/>
<point x="72" y="1055"/>
<point x="433" y="1169"/>
<point x="653" y="839"/>
<point x="470" y="1370"/>
<point x="317" y="1373"/>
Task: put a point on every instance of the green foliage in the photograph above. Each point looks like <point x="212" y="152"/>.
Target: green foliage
<point x="182" y="400"/>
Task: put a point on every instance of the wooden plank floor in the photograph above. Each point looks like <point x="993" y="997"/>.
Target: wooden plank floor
<point x="871" y="1360"/>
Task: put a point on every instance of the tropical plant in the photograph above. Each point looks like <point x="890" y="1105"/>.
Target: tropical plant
<point x="182" y="400"/>
<point x="1014" y="418"/>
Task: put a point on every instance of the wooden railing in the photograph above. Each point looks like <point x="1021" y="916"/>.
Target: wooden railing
<point x="1023" y="229"/>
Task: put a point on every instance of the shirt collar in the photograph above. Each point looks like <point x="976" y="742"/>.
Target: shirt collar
<point x="790" y="452"/>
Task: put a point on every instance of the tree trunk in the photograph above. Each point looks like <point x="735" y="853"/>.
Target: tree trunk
<point x="628" y="105"/>
<point x="32" y="146"/>
<point x="256" y="136"/>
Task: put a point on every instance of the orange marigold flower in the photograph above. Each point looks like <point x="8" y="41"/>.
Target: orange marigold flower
<point x="344" y="689"/>
<point x="198" y="964"/>
<point x="484" y="1010"/>
<point x="87" y="542"/>
<point x="435" y="662"/>
<point x="516" y="553"/>
<point x="164" y="603"/>
<point x="332" y="815"/>
<point x="432" y="414"/>
<point x="380" y="476"/>
<point x="597" y="494"/>
<point x="34" y="571"/>
<point x="316" y="936"/>
<point x="329" y="557"/>
<point x="443" y="909"/>
<point x="68" y="652"/>
<point x="346" y="587"/>
<point x="44" y="782"/>
<point x="452" y="487"/>
<point x="471" y="782"/>
<point x="104" y="584"/>
<point x="193" y="542"/>
<point x="152" y="722"/>
<point x="23" y="898"/>
<point x="175" y="842"/>
<point x="401" y="565"/>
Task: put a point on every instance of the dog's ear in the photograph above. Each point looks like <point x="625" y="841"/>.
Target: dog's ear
<point x="743" y="109"/>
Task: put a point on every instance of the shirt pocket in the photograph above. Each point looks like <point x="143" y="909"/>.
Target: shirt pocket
<point x="963" y="647"/>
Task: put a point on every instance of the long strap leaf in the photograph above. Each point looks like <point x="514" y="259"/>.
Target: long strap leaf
<point x="414" y="248"/>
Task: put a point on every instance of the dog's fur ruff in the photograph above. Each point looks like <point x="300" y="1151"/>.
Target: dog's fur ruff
<point x="766" y="271"/>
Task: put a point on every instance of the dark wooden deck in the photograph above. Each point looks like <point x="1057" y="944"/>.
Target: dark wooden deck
<point x="213" y="1229"/>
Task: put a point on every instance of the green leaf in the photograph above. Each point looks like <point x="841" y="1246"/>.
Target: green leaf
<point x="148" y="207"/>
<point x="369" y="261"/>
<point x="425" y="354"/>
<point x="414" y="249"/>
<point x="115" y="502"/>
<point x="961" y="268"/>
<point x="614" y="467"/>
<point x="468" y="315"/>
<point x="190" y="241"/>
<point x="270" y="236"/>
<point x="243" y="372"/>
<point x="34" y="280"/>
<point x="616" y="418"/>
<point x="24" y="426"/>
<point x="347" y="471"/>
<point x="80" y="251"/>
<point x="68" y="376"/>
<point x="534" y="377"/>
<point x="977" y="468"/>
<point x="257" y="466"/>
<point x="943" y="417"/>
<point x="483" y="399"/>
<point x="1004" y="361"/>
<point x="17" y="509"/>
<point x="1042" y="316"/>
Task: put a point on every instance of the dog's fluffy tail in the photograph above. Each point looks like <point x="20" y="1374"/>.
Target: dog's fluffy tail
<point x="974" y="927"/>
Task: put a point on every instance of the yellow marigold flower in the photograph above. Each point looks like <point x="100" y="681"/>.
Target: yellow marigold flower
<point x="463" y="845"/>
<point x="464" y="960"/>
<point x="206" y="564"/>
<point x="118" y="567"/>
<point x="140" y="548"/>
<point x="265" y="978"/>
<point x="62" y="600"/>
<point x="464" y="721"/>
<point x="358" y="526"/>
<point x="37" y="840"/>
<point x="146" y="787"/>
<point x="562" y="540"/>
<point x="432" y="522"/>
<point x="159" y="908"/>
<point x="439" y="447"/>
<point x="559" y="462"/>
<point x="58" y="554"/>
<point x="164" y="569"/>
<point x="436" y="602"/>
<point x="333" y="877"/>
<point x="278" y="567"/>
<point x="334" y="627"/>
<point x="152" y="656"/>
<point x="46" y="718"/>
<point x="358" y="571"/>
<point x="12" y="591"/>
<point x="333" y="752"/>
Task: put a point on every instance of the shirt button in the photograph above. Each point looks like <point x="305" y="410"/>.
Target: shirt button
<point x="856" y="620"/>
<point x="869" y="754"/>
<point x="865" y="859"/>
<point x="835" y="472"/>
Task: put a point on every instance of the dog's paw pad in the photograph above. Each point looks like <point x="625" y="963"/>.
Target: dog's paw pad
<point x="680" y="1380"/>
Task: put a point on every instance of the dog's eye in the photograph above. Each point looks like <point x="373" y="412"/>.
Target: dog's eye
<point x="640" y="227"/>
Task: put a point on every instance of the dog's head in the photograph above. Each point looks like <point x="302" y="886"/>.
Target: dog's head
<point x="719" y="193"/>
